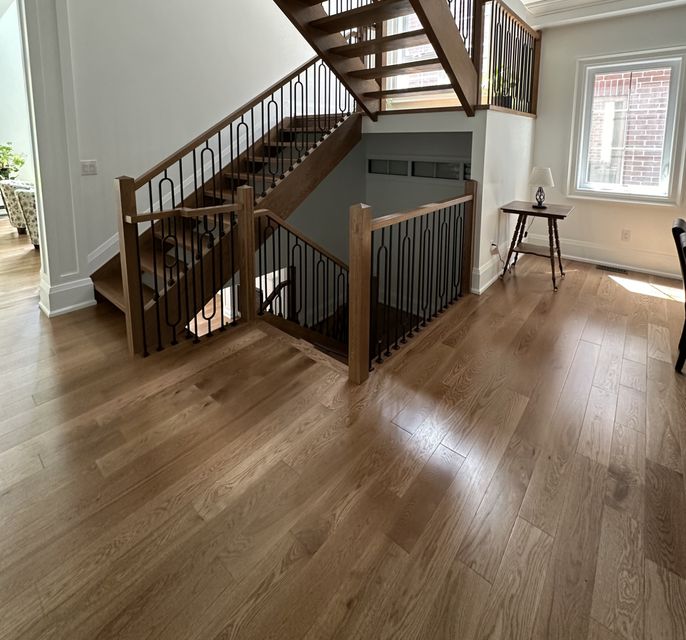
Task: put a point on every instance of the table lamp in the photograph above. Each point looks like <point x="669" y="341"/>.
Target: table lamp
<point x="541" y="177"/>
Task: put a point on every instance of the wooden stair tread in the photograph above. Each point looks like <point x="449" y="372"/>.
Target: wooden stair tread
<point x="409" y="92"/>
<point x="384" y="44"/>
<point x="420" y="66"/>
<point x="109" y="285"/>
<point x="366" y="15"/>
<point x="111" y="288"/>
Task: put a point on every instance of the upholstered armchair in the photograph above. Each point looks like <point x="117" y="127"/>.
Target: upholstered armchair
<point x="8" y="190"/>
<point x="27" y="202"/>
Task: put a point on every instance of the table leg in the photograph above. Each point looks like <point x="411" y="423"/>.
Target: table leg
<point x="552" y="251"/>
<point x="514" y="243"/>
<point x="559" y="250"/>
<point x="522" y="230"/>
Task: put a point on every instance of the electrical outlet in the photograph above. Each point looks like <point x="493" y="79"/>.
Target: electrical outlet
<point x="494" y="249"/>
<point x="89" y="167"/>
<point x="626" y="235"/>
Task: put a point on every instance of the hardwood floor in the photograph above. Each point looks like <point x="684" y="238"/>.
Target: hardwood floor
<point x="517" y="471"/>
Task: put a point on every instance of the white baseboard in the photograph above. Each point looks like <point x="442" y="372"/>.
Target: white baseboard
<point x="104" y="253"/>
<point x="64" y="298"/>
<point x="484" y="277"/>
<point x="640" y="261"/>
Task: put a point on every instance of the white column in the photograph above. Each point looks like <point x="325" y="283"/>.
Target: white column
<point x="65" y="282"/>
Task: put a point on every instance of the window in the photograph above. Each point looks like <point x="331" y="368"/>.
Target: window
<point x="628" y="130"/>
<point x="388" y="167"/>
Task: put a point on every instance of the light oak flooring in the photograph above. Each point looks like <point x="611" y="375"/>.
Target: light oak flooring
<point x="517" y="471"/>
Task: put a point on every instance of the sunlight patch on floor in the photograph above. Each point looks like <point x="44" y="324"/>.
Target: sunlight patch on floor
<point x="649" y="289"/>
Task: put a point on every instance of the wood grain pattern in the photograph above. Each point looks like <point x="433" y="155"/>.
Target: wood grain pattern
<point x="626" y="472"/>
<point x="665" y="603"/>
<point x="631" y="409"/>
<point x="517" y="588"/>
<point x="242" y="488"/>
<point x="619" y="580"/>
<point x="665" y="515"/>
<point x="567" y="595"/>
<point x="596" y="432"/>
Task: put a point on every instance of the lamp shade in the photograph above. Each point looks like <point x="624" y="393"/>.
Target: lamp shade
<point x="541" y="177"/>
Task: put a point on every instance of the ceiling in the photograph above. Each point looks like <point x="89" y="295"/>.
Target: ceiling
<point x="549" y="13"/>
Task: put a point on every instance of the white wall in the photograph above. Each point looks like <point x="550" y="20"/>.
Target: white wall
<point x="323" y="216"/>
<point x="508" y="153"/>
<point x="14" y="109"/>
<point x="390" y="194"/>
<point x="593" y="231"/>
<point x="149" y="76"/>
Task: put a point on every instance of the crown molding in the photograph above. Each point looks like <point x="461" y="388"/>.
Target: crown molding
<point x="550" y="13"/>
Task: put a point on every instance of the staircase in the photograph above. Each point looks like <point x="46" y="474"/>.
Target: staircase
<point x="351" y="36"/>
<point x="195" y="254"/>
<point x="281" y="145"/>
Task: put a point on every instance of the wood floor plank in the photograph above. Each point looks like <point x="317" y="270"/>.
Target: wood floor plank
<point x="619" y="581"/>
<point x="665" y="517"/>
<point x="665" y="603"/>
<point x="489" y="532"/>
<point x="518" y="586"/>
<point x="631" y="409"/>
<point x="545" y="496"/>
<point x="457" y="610"/>
<point x="568" y="592"/>
<point x="659" y="343"/>
<point x="595" y="439"/>
<point x="423" y="497"/>
<point x="666" y="406"/>
<point x="625" y="486"/>
<point x="633" y="375"/>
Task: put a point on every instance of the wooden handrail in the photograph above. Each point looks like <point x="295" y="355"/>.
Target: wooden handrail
<point x="182" y="212"/>
<point x="265" y="213"/>
<point x="193" y="144"/>
<point x="530" y="30"/>
<point x="395" y="218"/>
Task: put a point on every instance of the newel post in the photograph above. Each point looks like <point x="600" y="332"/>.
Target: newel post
<point x="470" y="188"/>
<point x="246" y="253"/>
<point x="360" y="292"/>
<point x="130" y="265"/>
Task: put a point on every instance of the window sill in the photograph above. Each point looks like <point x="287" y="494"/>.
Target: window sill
<point x="618" y="198"/>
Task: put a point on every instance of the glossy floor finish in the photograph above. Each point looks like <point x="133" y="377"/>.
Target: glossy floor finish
<point x="514" y="472"/>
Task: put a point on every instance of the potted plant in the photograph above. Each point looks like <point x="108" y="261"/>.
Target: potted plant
<point x="504" y="86"/>
<point x="10" y="162"/>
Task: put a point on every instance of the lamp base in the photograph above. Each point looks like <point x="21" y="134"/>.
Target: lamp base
<point x="539" y="206"/>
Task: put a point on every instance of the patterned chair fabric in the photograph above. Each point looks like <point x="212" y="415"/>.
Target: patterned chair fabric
<point x="27" y="202"/>
<point x="8" y="190"/>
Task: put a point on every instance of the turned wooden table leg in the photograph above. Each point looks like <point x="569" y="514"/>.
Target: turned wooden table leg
<point x="522" y="230"/>
<point x="559" y="249"/>
<point x="520" y="223"/>
<point x="552" y="250"/>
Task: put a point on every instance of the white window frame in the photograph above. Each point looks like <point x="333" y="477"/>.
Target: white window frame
<point x="587" y="69"/>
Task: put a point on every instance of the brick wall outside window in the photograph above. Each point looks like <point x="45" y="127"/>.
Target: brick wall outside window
<point x="628" y="126"/>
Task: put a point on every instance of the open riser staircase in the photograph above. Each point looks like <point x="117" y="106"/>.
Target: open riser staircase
<point x="204" y="241"/>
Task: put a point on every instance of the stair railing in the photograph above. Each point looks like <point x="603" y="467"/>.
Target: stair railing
<point x="301" y="283"/>
<point x="405" y="269"/>
<point x="192" y="261"/>
<point x="510" y="61"/>
<point x="247" y="147"/>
